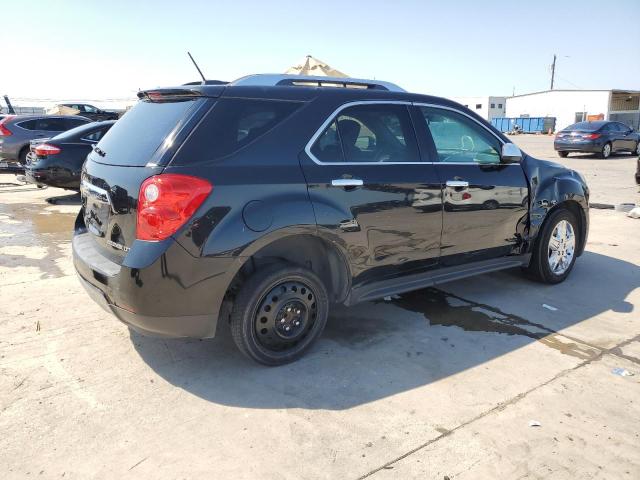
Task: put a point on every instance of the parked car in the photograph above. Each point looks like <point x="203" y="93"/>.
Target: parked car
<point x="57" y="161"/>
<point x="17" y="130"/>
<point x="600" y="137"/>
<point x="94" y="113"/>
<point x="261" y="203"/>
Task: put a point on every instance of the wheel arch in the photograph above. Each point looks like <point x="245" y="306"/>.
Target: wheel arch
<point x="565" y="190"/>
<point x="306" y="250"/>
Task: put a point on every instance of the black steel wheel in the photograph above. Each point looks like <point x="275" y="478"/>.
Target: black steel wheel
<point x="278" y="313"/>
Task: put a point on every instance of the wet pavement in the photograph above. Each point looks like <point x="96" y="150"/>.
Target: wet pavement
<point x="434" y="383"/>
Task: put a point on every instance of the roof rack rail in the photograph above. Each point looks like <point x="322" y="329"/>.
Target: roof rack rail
<point x="275" y="79"/>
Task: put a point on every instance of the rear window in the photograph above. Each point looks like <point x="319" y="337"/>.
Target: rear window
<point x="233" y="124"/>
<point x="134" y="138"/>
<point x="585" y="126"/>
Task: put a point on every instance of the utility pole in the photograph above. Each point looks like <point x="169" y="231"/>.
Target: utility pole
<point x="553" y="70"/>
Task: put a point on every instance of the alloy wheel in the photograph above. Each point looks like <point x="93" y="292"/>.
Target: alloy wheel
<point x="562" y="245"/>
<point x="606" y="150"/>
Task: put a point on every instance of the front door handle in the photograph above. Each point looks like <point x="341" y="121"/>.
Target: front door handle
<point x="457" y="184"/>
<point x="347" y="182"/>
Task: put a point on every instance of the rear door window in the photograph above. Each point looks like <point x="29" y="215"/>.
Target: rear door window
<point x="133" y="140"/>
<point x="53" y="124"/>
<point x="74" y="122"/>
<point x="233" y="124"/>
<point x="371" y="133"/>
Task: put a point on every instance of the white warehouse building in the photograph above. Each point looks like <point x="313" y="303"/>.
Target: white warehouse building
<point x="571" y="106"/>
<point x="486" y="107"/>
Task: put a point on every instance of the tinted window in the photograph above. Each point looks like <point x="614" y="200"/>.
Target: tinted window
<point x="586" y="126"/>
<point x="52" y="124"/>
<point x="74" y="122"/>
<point x="27" y="124"/>
<point x="457" y="138"/>
<point x="377" y="133"/>
<point x="137" y="135"/>
<point x="96" y="135"/>
<point x="622" y="127"/>
<point x="232" y="124"/>
<point x="90" y="109"/>
<point x="609" y="128"/>
<point x="327" y="147"/>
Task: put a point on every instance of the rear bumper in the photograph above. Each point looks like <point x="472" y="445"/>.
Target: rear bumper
<point x="581" y="146"/>
<point x="62" y="178"/>
<point x="163" y="291"/>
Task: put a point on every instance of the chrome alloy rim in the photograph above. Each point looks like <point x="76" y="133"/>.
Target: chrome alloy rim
<point x="606" y="150"/>
<point x="562" y="247"/>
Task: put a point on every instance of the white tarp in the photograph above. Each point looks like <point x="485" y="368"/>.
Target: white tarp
<point x="314" y="67"/>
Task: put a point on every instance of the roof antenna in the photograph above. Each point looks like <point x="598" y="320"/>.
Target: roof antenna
<point x="204" y="80"/>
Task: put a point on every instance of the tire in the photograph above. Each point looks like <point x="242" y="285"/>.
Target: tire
<point x="272" y="300"/>
<point x="540" y="267"/>
<point x="637" y="150"/>
<point x="563" y="154"/>
<point x="22" y="156"/>
<point x="606" y="150"/>
<point x="490" y="205"/>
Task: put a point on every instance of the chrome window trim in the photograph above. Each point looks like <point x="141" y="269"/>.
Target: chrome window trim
<point x="333" y="115"/>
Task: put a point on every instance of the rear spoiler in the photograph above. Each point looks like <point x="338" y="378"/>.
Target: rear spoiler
<point x="178" y="94"/>
<point x="168" y="95"/>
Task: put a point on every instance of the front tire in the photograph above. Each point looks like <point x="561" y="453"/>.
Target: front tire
<point x="563" y="154"/>
<point x="554" y="253"/>
<point x="278" y="314"/>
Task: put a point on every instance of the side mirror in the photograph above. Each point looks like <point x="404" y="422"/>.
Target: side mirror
<point x="510" y="153"/>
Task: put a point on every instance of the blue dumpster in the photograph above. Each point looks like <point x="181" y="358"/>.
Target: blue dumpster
<point x="526" y="124"/>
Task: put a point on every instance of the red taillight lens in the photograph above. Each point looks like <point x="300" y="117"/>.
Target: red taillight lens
<point x="166" y="202"/>
<point x="46" y="149"/>
<point x="4" y="131"/>
<point x="591" y="136"/>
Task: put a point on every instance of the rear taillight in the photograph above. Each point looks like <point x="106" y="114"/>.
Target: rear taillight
<point x="4" y="131"/>
<point x="45" y="149"/>
<point x="166" y="202"/>
<point x="591" y="136"/>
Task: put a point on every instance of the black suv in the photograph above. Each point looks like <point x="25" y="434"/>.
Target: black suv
<point x="94" y="113"/>
<point x="262" y="202"/>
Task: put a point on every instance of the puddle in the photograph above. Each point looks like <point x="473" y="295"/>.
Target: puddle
<point x="444" y="309"/>
<point x="34" y="238"/>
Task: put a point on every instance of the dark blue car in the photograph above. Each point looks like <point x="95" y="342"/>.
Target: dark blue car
<point x="602" y="138"/>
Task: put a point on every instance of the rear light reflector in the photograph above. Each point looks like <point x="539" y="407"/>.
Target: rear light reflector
<point x="591" y="136"/>
<point x="166" y="202"/>
<point x="4" y="131"/>
<point x="45" y="149"/>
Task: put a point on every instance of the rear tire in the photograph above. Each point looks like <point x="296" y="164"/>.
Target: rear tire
<point x="541" y="267"/>
<point x="606" y="150"/>
<point x="22" y="156"/>
<point x="279" y="313"/>
<point x="563" y="154"/>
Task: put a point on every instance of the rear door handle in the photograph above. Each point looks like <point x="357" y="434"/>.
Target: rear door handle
<point x="347" y="182"/>
<point x="457" y="184"/>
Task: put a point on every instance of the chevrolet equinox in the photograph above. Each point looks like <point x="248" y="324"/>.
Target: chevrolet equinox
<point x="261" y="202"/>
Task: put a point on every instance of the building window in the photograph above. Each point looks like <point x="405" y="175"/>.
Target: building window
<point x="478" y="106"/>
<point x="493" y="105"/>
<point x="499" y="105"/>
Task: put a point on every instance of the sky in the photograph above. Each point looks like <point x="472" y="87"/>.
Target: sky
<point x="73" y="50"/>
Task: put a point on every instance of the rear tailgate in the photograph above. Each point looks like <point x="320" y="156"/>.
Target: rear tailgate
<point x="135" y="148"/>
